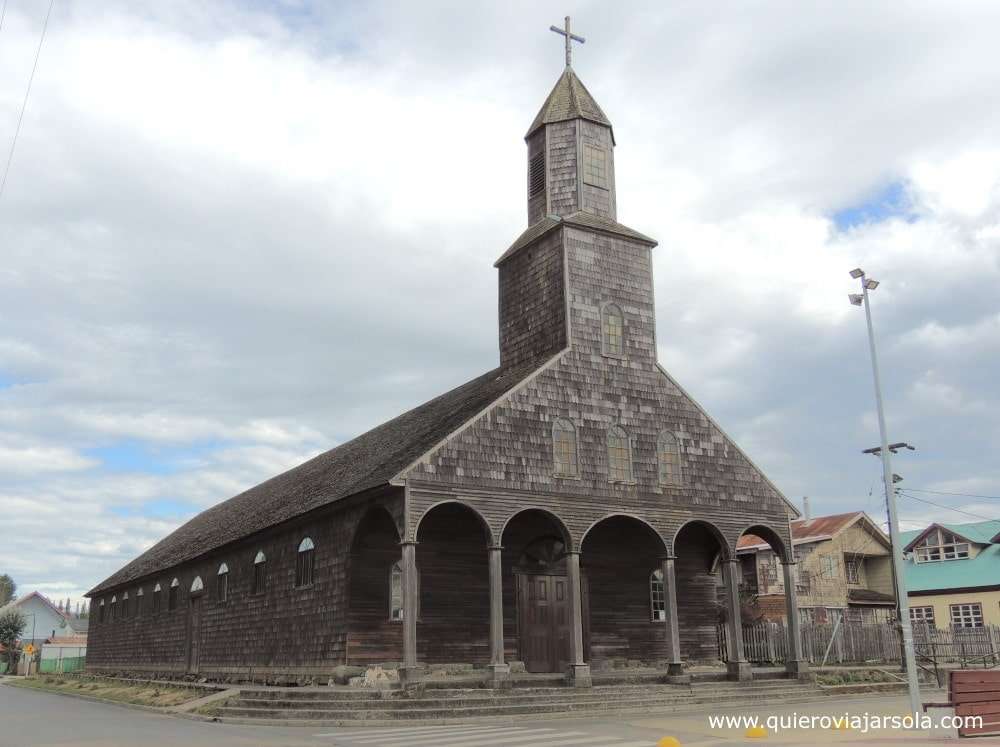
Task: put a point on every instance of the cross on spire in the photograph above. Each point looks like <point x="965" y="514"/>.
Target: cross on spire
<point x="570" y="38"/>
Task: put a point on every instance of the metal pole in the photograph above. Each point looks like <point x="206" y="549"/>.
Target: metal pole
<point x="902" y="602"/>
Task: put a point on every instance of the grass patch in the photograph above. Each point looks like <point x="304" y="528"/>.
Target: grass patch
<point x="119" y="692"/>
<point x="854" y="677"/>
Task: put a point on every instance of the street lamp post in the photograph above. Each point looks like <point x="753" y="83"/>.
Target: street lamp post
<point x="902" y="602"/>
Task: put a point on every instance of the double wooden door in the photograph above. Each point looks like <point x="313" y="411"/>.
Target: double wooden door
<point x="544" y="621"/>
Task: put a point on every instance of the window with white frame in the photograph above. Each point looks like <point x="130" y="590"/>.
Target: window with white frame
<point x="657" y="596"/>
<point x="138" y="602"/>
<point x="939" y="545"/>
<point x="259" y="572"/>
<point x="157" y="596"/>
<point x="304" y="563"/>
<point x="923" y="615"/>
<point x="967" y="615"/>
<point x="222" y="584"/>
<point x="852" y="569"/>
<point x="125" y="606"/>
<point x="172" y="594"/>
<point x="564" y="448"/>
<point x="828" y="566"/>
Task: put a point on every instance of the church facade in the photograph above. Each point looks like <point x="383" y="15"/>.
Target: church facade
<point x="572" y="508"/>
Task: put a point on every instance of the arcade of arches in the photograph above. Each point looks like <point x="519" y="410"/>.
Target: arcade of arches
<point x="539" y="596"/>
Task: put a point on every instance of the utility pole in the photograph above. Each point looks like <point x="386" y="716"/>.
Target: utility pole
<point x="902" y="602"/>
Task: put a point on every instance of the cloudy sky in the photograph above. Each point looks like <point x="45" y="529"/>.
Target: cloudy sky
<point x="234" y="237"/>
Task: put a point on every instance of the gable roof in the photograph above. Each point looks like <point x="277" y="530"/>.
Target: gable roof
<point x="978" y="533"/>
<point x="968" y="573"/>
<point x="368" y="461"/>
<point x="578" y="219"/>
<point x="35" y="595"/>
<point x="818" y="529"/>
<point x="569" y="99"/>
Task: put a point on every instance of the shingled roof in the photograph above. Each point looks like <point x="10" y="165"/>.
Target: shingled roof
<point x="368" y="461"/>
<point x="580" y="219"/>
<point x="569" y="99"/>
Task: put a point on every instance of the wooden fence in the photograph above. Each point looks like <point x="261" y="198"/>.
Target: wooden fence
<point x="872" y="643"/>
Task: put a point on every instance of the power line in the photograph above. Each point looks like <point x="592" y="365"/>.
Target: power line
<point x="947" y="508"/>
<point x="963" y="495"/>
<point x="24" y="104"/>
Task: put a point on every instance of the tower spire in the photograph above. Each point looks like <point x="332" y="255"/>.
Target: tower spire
<point x="570" y="38"/>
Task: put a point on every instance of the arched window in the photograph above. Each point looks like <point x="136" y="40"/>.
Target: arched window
<point x="138" y="602"/>
<point x="657" y="597"/>
<point x="304" y="563"/>
<point x="619" y="455"/>
<point x="197" y="585"/>
<point x="396" y="592"/>
<point x="100" y="611"/>
<point x="564" y="447"/>
<point x="172" y="594"/>
<point x="669" y="456"/>
<point x="113" y="608"/>
<point x="157" y="596"/>
<point x="612" y="330"/>
<point x="125" y="606"/>
<point x="222" y="584"/>
<point x="259" y="572"/>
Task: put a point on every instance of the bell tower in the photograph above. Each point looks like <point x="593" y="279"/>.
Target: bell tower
<point x="571" y="166"/>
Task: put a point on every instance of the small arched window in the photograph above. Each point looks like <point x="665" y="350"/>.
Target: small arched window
<point x="612" y="330"/>
<point x="222" y="584"/>
<point x="564" y="448"/>
<point x="197" y="585"/>
<point x="125" y="606"/>
<point x="157" y="597"/>
<point x="304" y="563"/>
<point x="657" y="597"/>
<point x="138" y="602"/>
<point x="619" y="455"/>
<point x="100" y="611"/>
<point x="113" y="608"/>
<point x="172" y="594"/>
<point x="396" y="592"/>
<point x="259" y="572"/>
<point x="669" y="456"/>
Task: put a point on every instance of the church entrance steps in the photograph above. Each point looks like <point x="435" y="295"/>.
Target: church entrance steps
<point x="337" y="706"/>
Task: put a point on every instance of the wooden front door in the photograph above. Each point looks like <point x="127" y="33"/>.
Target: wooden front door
<point x="194" y="634"/>
<point x="543" y="622"/>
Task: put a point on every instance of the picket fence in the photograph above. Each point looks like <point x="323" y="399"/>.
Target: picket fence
<point x="861" y="643"/>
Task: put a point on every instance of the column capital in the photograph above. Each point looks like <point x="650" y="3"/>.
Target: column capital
<point x="789" y="562"/>
<point x="494" y="547"/>
<point x="734" y="559"/>
<point x="572" y="552"/>
<point x="668" y="556"/>
<point x="408" y="542"/>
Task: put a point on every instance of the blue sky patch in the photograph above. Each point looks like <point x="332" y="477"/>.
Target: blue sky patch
<point x="888" y="202"/>
<point x="134" y="456"/>
<point x="161" y="508"/>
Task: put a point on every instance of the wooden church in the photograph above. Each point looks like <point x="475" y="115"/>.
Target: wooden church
<point x="569" y="509"/>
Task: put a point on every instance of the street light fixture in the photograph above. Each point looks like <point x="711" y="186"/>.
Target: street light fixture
<point x="902" y="602"/>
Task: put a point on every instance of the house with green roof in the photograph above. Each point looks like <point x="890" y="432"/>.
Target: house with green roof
<point x="952" y="574"/>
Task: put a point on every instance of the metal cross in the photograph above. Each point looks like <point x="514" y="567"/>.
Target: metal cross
<point x="570" y="38"/>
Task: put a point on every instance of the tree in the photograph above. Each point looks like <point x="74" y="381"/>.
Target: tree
<point x="12" y="625"/>
<point x="8" y="589"/>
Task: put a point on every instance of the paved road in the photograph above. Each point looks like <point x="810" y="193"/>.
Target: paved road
<point x="30" y="718"/>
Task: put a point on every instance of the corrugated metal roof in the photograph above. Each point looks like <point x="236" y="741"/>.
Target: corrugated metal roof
<point x="810" y="530"/>
<point x="982" y="570"/>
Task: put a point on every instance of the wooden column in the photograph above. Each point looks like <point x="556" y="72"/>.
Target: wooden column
<point x="795" y="662"/>
<point x="738" y="666"/>
<point x="499" y="670"/>
<point x="672" y="626"/>
<point x="410" y="673"/>
<point x="579" y="670"/>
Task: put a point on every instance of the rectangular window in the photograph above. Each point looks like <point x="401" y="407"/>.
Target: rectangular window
<point x="156" y="601"/>
<point x="223" y="590"/>
<point x="829" y="564"/>
<point x="802" y="582"/>
<point x="304" y="568"/>
<point x="595" y="166"/>
<point x="657" y="597"/>
<point x="172" y="598"/>
<point x="922" y="615"/>
<point x="259" y="578"/>
<point x="967" y="615"/>
<point x="852" y="567"/>
<point x="536" y="175"/>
